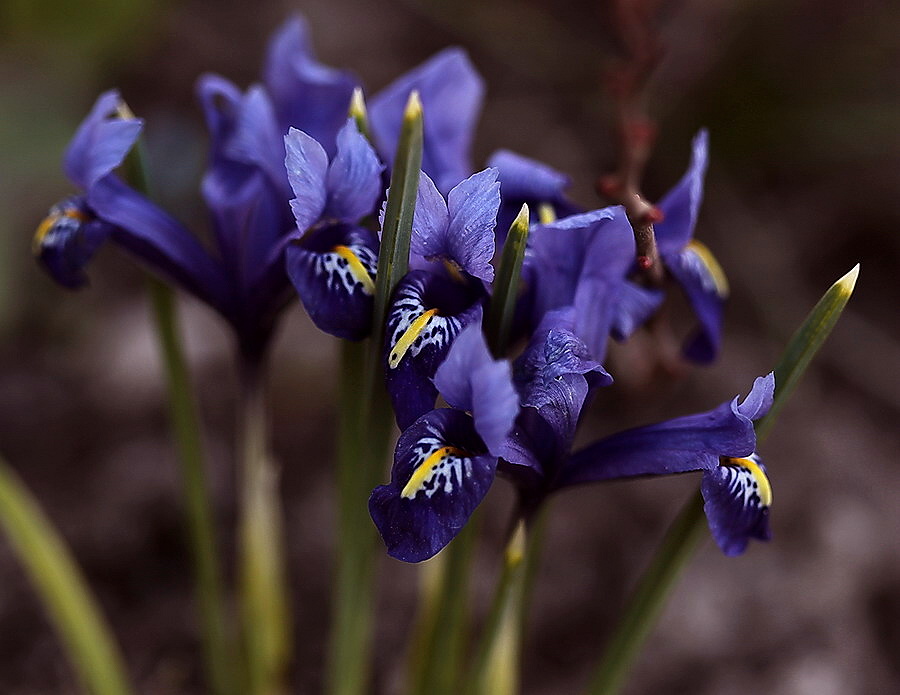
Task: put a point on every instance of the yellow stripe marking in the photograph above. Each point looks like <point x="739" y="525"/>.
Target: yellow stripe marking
<point x="712" y="265"/>
<point x="424" y="469"/>
<point x="408" y="338"/>
<point x="546" y="213"/>
<point x="357" y="269"/>
<point x="48" y="223"/>
<point x="765" y="489"/>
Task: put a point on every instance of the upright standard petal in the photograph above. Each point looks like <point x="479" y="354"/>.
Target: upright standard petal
<point x="681" y="205"/>
<point x="470" y="379"/>
<point x="307" y="170"/>
<point x="441" y="472"/>
<point x="430" y="220"/>
<point x="473" y="206"/>
<point x="101" y="142"/>
<point x="354" y="177"/>
<point x="307" y="95"/>
<point x="451" y="93"/>
<point x="737" y="497"/>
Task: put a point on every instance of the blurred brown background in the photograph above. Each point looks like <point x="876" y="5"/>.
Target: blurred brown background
<point x="802" y="99"/>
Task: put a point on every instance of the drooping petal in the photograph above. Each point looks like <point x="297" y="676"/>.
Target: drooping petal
<point x="451" y="93"/>
<point x="67" y="239"/>
<point x="354" y="177"/>
<point x="307" y="95"/>
<point x="307" y="169"/>
<point x="333" y="269"/>
<point x="681" y="205"/>
<point x="441" y="473"/>
<point x="160" y="241"/>
<point x="737" y="497"/>
<point x="473" y="206"/>
<point x="101" y="142"/>
<point x="427" y="313"/>
<point x="636" y="304"/>
<point x="690" y="443"/>
<point x="470" y="379"/>
<point x="703" y="283"/>
<point x="527" y="179"/>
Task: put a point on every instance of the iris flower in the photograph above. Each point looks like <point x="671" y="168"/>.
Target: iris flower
<point x="450" y="252"/>
<point x="444" y="463"/>
<point x="690" y="262"/>
<point x="245" y="187"/>
<point x="720" y="442"/>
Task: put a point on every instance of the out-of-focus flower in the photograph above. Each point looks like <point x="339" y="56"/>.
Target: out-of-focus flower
<point x="444" y="463"/>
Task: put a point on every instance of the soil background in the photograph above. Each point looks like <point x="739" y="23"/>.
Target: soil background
<point x="802" y="100"/>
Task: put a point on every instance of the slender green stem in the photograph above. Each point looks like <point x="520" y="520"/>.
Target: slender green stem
<point x="684" y="533"/>
<point x="649" y="597"/>
<point x="438" y="640"/>
<point x="496" y="669"/>
<point x="86" y="638"/>
<point x="200" y="522"/>
<point x="366" y="426"/>
<point x="265" y="610"/>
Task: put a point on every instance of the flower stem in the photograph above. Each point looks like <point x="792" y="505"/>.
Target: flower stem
<point x="72" y="611"/>
<point x="200" y="524"/>
<point x="684" y="533"/>
<point x="265" y="610"/>
<point x="496" y="669"/>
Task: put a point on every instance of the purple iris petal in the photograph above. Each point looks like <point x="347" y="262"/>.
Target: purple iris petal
<point x="158" y="239"/>
<point x="759" y="401"/>
<point x="256" y="139"/>
<point x="471" y="379"/>
<point x="354" y="177"/>
<point x="307" y="167"/>
<point x="329" y="267"/>
<point x="707" y="299"/>
<point x="737" y="498"/>
<point x="473" y="206"/>
<point x="690" y="443"/>
<point x="101" y="142"/>
<point x="681" y="205"/>
<point x="426" y="314"/>
<point x="67" y="240"/>
<point x="307" y="95"/>
<point x="430" y="220"/>
<point x="635" y="306"/>
<point x="451" y="93"/>
<point x="441" y="473"/>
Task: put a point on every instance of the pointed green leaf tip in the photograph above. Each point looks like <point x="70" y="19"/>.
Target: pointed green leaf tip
<point x="805" y="343"/>
<point x="506" y="285"/>
<point x="359" y="113"/>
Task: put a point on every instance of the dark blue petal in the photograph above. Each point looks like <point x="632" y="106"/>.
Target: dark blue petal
<point x="441" y="473"/>
<point x="333" y="269"/>
<point x="681" y="205"/>
<point x="702" y="281"/>
<point x="738" y="496"/>
<point x="307" y="168"/>
<point x="101" y="142"/>
<point x="427" y="313"/>
<point x="636" y="304"/>
<point x="473" y="206"/>
<point x="471" y="379"/>
<point x="354" y="177"/>
<point x="307" y="95"/>
<point x="451" y="93"/>
<point x="528" y="179"/>
<point x="690" y="443"/>
<point x="159" y="240"/>
<point x="256" y="139"/>
<point x="67" y="240"/>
